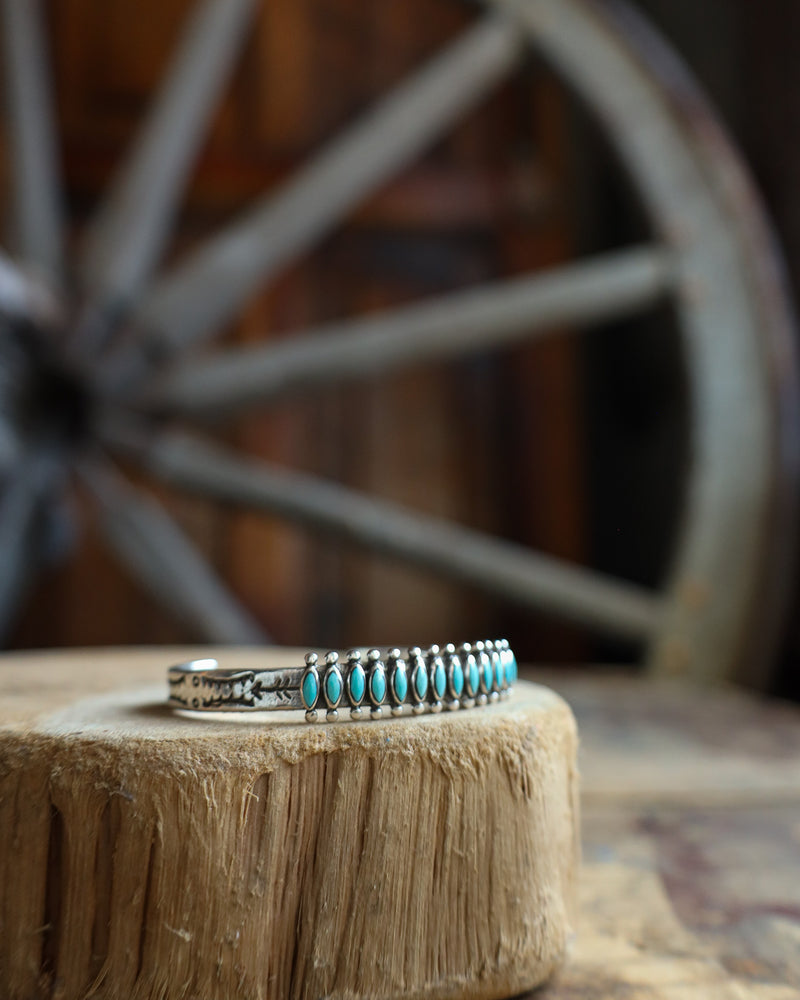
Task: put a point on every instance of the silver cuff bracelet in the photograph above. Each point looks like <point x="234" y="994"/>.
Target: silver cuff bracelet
<point x="369" y="683"/>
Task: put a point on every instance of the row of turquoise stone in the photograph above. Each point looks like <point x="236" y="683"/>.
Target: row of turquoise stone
<point x="426" y="680"/>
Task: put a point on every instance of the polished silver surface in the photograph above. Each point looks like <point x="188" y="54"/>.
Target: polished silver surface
<point x="372" y="683"/>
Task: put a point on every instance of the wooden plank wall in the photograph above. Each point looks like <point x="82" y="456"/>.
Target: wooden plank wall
<point x="493" y="442"/>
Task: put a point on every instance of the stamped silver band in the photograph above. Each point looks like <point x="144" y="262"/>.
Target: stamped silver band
<point x="367" y="683"/>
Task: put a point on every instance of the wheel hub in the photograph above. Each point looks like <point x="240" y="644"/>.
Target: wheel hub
<point x="46" y="397"/>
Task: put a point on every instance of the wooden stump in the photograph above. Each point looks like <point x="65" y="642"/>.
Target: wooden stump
<point x="147" y="854"/>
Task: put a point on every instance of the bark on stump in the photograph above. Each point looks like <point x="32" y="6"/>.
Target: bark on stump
<point x="146" y="854"/>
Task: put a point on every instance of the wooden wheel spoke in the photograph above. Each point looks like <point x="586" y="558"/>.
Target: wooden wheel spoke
<point x="125" y="239"/>
<point x="35" y="181"/>
<point x="14" y="288"/>
<point x="23" y="295"/>
<point x="498" y="566"/>
<point x="207" y="290"/>
<point x="164" y="561"/>
<point x="491" y="316"/>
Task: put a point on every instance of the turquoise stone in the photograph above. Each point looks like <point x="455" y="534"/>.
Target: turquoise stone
<point x="473" y="677"/>
<point x="488" y="676"/>
<point x="511" y="669"/>
<point x="439" y="680"/>
<point x="400" y="682"/>
<point x="358" y="684"/>
<point x="498" y="670"/>
<point x="310" y="689"/>
<point x="377" y="685"/>
<point x="456" y="677"/>
<point x="333" y="687"/>
<point x="420" y="680"/>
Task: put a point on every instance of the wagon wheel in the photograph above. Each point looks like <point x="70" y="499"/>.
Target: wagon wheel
<point x="107" y="343"/>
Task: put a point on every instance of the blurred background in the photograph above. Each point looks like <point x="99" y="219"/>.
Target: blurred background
<point x="574" y="445"/>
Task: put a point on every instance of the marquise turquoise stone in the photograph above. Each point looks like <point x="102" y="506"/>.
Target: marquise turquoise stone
<point x="488" y="676"/>
<point x="333" y="687"/>
<point x="511" y="669"/>
<point x="358" y="683"/>
<point x="420" y="681"/>
<point x="310" y="689"/>
<point x="400" y="682"/>
<point x="377" y="685"/>
<point x="457" y="678"/>
<point x="498" y="670"/>
<point x="473" y="677"/>
<point x="439" y="680"/>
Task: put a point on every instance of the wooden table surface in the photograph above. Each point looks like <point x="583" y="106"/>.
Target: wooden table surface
<point x="691" y="826"/>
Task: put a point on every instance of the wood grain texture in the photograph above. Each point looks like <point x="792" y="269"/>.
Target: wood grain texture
<point x="146" y="854"/>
